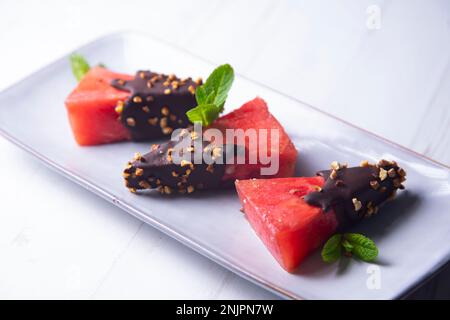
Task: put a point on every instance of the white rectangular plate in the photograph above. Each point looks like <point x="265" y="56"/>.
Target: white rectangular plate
<point x="413" y="232"/>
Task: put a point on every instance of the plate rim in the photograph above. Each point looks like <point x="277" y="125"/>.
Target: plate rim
<point x="179" y="236"/>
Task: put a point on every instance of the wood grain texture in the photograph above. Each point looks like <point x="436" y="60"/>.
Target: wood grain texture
<point x="63" y="242"/>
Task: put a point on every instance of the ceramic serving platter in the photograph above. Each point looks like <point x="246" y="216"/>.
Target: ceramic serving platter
<point x="412" y="233"/>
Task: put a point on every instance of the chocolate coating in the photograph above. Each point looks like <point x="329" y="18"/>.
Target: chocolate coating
<point x="157" y="105"/>
<point x="157" y="169"/>
<point x="356" y="193"/>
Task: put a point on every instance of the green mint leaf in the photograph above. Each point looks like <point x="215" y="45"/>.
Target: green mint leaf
<point x="205" y="114"/>
<point x="200" y="95"/>
<point x="363" y="247"/>
<point x="332" y="250"/>
<point x="353" y="244"/>
<point x="347" y="246"/>
<point x="79" y="66"/>
<point x="211" y="95"/>
<point x="217" y="85"/>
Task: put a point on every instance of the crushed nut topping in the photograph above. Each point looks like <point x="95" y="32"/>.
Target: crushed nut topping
<point x="374" y="184"/>
<point x="167" y="190"/>
<point x="383" y="174"/>
<point x="335" y="165"/>
<point x="210" y="168"/>
<point x="217" y="152"/>
<point x="153" y="121"/>
<point x="392" y="173"/>
<point x="163" y="122"/>
<point x="185" y="163"/>
<point x="364" y="163"/>
<point x="357" y="204"/>
<point x="397" y="183"/>
<point x="119" y="107"/>
<point x="194" y="135"/>
<point x="137" y="99"/>
<point x="401" y="172"/>
<point x="165" y="111"/>
<point x="144" y="184"/>
<point x="333" y="174"/>
<point x="339" y="183"/>
<point x="131" y="122"/>
<point x="384" y="163"/>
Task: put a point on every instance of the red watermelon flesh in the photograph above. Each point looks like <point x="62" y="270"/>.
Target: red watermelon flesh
<point x="91" y="105"/>
<point x="288" y="226"/>
<point x="255" y="115"/>
<point x="156" y="169"/>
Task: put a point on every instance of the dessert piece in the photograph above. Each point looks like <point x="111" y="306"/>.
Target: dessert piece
<point x="157" y="104"/>
<point x="170" y="167"/>
<point x="158" y="168"/>
<point x="91" y="108"/>
<point x="107" y="107"/>
<point x="302" y="213"/>
<point x="255" y="115"/>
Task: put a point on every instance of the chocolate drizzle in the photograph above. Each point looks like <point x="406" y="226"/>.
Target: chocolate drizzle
<point x="157" y="105"/>
<point x="161" y="169"/>
<point x="356" y="193"/>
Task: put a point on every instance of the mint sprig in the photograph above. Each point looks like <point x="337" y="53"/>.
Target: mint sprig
<point x="332" y="250"/>
<point x="205" y="114"/>
<point x="349" y="244"/>
<point x="211" y="96"/>
<point x="79" y="65"/>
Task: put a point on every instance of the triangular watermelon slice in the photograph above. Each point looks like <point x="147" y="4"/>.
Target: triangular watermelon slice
<point x="293" y="216"/>
<point x="107" y="106"/>
<point x="91" y="108"/>
<point x="256" y="115"/>
<point x="289" y="227"/>
<point x="157" y="170"/>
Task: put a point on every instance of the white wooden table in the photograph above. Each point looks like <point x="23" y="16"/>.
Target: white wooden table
<point x="383" y="65"/>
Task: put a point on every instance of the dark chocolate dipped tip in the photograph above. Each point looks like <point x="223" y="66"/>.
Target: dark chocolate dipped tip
<point x="356" y="193"/>
<point x="175" y="166"/>
<point x="157" y="104"/>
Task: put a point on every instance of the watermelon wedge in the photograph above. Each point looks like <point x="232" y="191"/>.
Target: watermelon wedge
<point x="255" y="115"/>
<point x="158" y="169"/>
<point x="294" y="216"/>
<point x="107" y="107"/>
<point x="288" y="226"/>
<point x="91" y="105"/>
